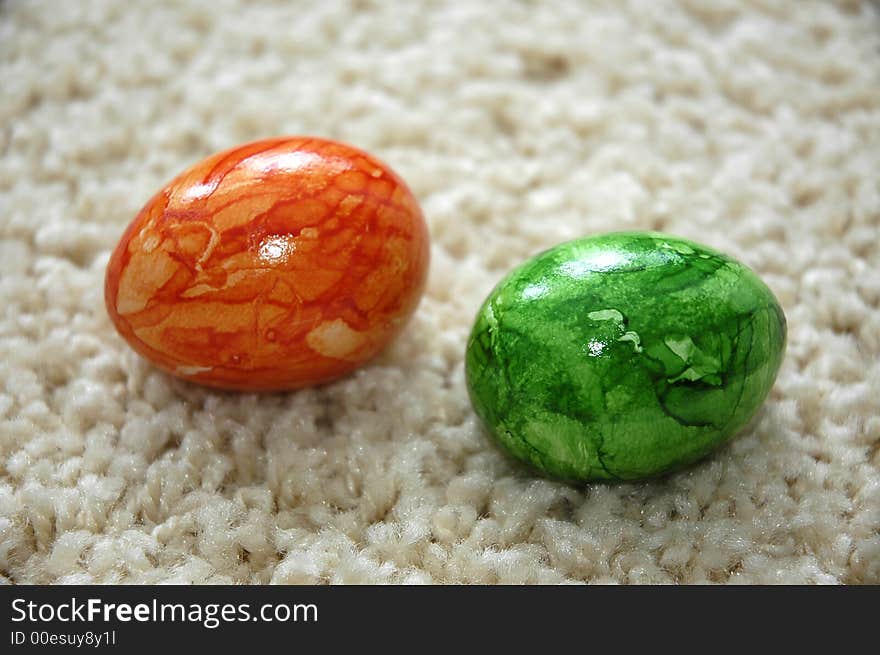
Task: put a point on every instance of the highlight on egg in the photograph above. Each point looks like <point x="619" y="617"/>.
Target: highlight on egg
<point x="277" y="264"/>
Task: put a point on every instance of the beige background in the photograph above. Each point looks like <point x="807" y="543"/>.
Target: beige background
<point x="752" y="126"/>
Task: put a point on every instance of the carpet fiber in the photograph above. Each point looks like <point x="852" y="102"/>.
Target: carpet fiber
<point x="752" y="126"/>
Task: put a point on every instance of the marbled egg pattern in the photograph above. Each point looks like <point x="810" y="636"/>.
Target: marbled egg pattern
<point x="623" y="356"/>
<point x="274" y="265"/>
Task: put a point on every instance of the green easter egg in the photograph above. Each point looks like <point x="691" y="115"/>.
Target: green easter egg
<point x="623" y="356"/>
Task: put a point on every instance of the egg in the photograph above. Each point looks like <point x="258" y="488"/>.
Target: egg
<point x="275" y="265"/>
<point x="623" y="356"/>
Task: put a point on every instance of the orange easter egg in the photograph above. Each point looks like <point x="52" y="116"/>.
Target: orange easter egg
<point x="278" y="264"/>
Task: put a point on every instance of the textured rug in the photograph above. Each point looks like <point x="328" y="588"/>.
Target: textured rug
<point x="752" y="126"/>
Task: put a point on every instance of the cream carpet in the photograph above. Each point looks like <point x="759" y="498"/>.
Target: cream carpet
<point x="752" y="126"/>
